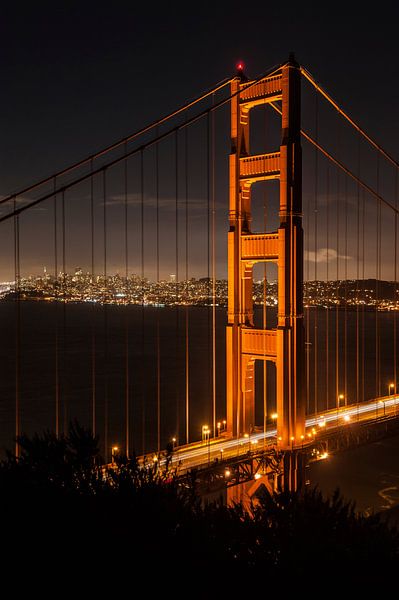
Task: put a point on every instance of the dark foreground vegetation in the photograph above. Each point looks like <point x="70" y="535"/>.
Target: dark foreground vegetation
<point x="59" y="506"/>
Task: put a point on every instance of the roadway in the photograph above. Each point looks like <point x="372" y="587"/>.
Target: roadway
<point x="223" y="448"/>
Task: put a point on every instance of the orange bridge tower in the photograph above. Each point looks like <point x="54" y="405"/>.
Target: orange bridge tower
<point x="285" y="346"/>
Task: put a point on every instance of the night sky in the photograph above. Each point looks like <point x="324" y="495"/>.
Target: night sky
<point x="78" y="75"/>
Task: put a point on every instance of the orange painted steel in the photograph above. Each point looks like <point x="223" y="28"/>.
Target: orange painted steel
<point x="285" y="345"/>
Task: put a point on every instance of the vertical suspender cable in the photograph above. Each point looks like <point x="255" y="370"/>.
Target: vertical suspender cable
<point x="338" y="301"/>
<point x="264" y="323"/>
<point x="328" y="291"/>
<point x="364" y="294"/>
<point x="379" y="276"/>
<point x="307" y="305"/>
<point x="143" y="361"/>
<point x="357" y="276"/>
<point x="177" y="281"/>
<point x="316" y="157"/>
<point x="187" y="297"/>
<point x="158" y="302"/>
<point x="127" y="313"/>
<point x="396" y="286"/>
<point x="17" y="277"/>
<point x="64" y="316"/>
<point x="93" y="312"/>
<point x="377" y="358"/>
<point x="346" y="297"/>
<point x="56" y="349"/>
<point x="105" y="308"/>
<point x="264" y="304"/>
<point x="213" y="272"/>
<point x="208" y="246"/>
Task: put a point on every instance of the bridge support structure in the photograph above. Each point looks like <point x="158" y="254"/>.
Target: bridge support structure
<point x="285" y="346"/>
<point x="245" y="478"/>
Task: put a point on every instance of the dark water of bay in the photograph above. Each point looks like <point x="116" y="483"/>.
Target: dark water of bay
<point x="369" y="475"/>
<point x="116" y="355"/>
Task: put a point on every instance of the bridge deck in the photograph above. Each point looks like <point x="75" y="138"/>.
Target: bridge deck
<point x="319" y="425"/>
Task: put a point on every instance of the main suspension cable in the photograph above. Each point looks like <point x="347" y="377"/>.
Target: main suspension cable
<point x="120" y="142"/>
<point x="137" y="150"/>
<point x="327" y="96"/>
<point x="340" y="165"/>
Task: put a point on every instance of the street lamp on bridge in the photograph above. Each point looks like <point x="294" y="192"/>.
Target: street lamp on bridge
<point x="206" y="437"/>
<point x="205" y="433"/>
<point x="114" y="452"/>
<point x="339" y="399"/>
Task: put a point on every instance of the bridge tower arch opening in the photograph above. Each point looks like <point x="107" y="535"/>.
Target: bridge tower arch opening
<point x="283" y="345"/>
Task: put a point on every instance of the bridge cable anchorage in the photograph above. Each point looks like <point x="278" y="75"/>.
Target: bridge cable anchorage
<point x="136" y="150"/>
<point x="155" y="124"/>
<point x="311" y="80"/>
<point x="334" y="160"/>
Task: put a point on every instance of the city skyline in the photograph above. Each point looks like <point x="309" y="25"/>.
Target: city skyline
<point x="115" y="288"/>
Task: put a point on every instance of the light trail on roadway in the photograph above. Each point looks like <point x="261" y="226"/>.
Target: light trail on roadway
<point x="221" y="448"/>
